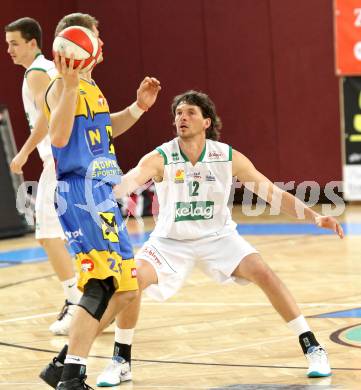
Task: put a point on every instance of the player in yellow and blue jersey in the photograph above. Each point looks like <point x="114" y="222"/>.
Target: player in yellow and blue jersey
<point x="81" y="131"/>
<point x="87" y="169"/>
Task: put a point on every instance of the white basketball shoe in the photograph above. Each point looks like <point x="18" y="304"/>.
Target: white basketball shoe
<point x="116" y="372"/>
<point x="62" y="324"/>
<point x="318" y="365"/>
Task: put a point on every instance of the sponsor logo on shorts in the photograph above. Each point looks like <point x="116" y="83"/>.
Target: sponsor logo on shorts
<point x="109" y="227"/>
<point x="133" y="272"/>
<point x="87" y="265"/>
<point x="193" y="211"/>
<point x="179" y="176"/>
<point x="151" y="253"/>
<point x="73" y="236"/>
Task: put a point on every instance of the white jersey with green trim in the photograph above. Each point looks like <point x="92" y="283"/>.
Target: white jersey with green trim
<point x="193" y="199"/>
<point x="44" y="65"/>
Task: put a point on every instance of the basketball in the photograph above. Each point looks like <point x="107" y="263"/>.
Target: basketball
<point x="81" y="42"/>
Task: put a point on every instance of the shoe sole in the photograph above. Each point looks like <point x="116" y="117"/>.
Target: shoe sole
<point x="106" y="384"/>
<point x="315" y="374"/>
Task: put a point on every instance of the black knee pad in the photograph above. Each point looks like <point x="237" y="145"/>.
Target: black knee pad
<point x="96" y="296"/>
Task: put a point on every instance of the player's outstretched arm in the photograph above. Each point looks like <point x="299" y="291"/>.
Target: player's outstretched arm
<point x="256" y="182"/>
<point x="150" y="166"/>
<point x="146" y="96"/>
<point x="38" y="82"/>
<point x="61" y="99"/>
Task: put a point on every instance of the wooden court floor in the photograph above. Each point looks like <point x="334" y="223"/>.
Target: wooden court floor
<point x="209" y="336"/>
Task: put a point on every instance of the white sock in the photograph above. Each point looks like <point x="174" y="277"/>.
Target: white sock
<point x="73" y="359"/>
<point x="124" y="336"/>
<point x="299" y="325"/>
<point x="71" y="292"/>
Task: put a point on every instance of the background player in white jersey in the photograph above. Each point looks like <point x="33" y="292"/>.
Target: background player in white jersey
<point x="24" y="38"/>
<point x="193" y="178"/>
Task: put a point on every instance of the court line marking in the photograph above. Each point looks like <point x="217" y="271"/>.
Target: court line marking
<point x="15" y="284"/>
<point x="44" y="315"/>
<point x="133" y="386"/>
<point x="190" y="304"/>
<point x="244" y="304"/>
<point x="209" y="387"/>
<point x="239" y="347"/>
<point x="157" y="361"/>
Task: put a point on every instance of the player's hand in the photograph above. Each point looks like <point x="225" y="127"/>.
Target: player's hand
<point x="330" y="223"/>
<point x="18" y="162"/>
<point x="147" y="92"/>
<point x="70" y="75"/>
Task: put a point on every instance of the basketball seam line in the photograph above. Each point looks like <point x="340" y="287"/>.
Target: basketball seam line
<point x="75" y="43"/>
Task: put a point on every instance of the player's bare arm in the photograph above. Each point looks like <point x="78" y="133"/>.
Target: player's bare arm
<point x="146" y="96"/>
<point x="37" y="82"/>
<point x="151" y="166"/>
<point x="61" y="99"/>
<point x="256" y="182"/>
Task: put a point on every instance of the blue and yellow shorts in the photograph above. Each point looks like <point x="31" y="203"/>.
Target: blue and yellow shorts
<point x="95" y="230"/>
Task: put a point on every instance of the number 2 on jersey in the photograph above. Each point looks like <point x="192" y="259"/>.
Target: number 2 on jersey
<point x="193" y="187"/>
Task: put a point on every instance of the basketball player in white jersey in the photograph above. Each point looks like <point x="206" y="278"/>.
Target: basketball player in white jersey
<point x="24" y="38"/>
<point x="193" y="178"/>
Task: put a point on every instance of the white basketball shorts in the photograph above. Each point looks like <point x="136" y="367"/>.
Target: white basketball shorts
<point x="47" y="221"/>
<point x="217" y="255"/>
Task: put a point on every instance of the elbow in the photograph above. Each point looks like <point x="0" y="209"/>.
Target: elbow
<point x="59" y="141"/>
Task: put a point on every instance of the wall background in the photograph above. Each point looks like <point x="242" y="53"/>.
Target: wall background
<point x="267" y="64"/>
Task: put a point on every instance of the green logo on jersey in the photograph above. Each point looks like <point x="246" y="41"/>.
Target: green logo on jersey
<point x="175" y="156"/>
<point x="193" y="211"/>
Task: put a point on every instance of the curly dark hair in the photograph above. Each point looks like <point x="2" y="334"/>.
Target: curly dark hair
<point x="207" y="107"/>
<point x="76" y="19"/>
<point x="29" y="29"/>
